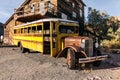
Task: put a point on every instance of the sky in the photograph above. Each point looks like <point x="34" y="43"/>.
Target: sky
<point x="7" y="8"/>
<point x="111" y="7"/>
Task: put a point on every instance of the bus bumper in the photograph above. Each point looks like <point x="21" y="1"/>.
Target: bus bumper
<point x="93" y="59"/>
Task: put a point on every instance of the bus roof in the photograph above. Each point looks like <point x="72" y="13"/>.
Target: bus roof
<point x="48" y="19"/>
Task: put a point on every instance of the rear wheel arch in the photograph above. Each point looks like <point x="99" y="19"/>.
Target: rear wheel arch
<point x="19" y="43"/>
<point x="22" y="49"/>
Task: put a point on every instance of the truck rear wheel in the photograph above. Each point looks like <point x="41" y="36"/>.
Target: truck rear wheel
<point x="71" y="58"/>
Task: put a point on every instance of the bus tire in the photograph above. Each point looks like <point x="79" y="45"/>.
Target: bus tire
<point x="22" y="49"/>
<point x="71" y="59"/>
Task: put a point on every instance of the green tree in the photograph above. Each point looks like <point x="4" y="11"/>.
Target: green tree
<point x="114" y="23"/>
<point x="114" y="30"/>
<point x="98" y="22"/>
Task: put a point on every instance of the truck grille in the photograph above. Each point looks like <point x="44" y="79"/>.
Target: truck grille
<point x="89" y="47"/>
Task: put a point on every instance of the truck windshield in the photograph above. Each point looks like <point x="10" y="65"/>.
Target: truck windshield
<point x="68" y="29"/>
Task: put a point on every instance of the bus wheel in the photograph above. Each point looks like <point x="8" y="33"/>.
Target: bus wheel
<point x="71" y="58"/>
<point x="22" y="49"/>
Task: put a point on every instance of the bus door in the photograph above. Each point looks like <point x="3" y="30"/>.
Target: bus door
<point x="53" y="39"/>
<point x="46" y="37"/>
<point x="49" y="38"/>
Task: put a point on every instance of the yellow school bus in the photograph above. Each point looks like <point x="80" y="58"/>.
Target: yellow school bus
<point x="57" y="37"/>
<point x="45" y="36"/>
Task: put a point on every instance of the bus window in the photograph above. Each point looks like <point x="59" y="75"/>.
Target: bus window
<point x="46" y="27"/>
<point x="54" y="31"/>
<point x="22" y="30"/>
<point x="29" y="29"/>
<point x="33" y="29"/>
<point x="17" y="31"/>
<point x="62" y="29"/>
<point x="39" y="28"/>
<point x="68" y="29"/>
<point x="14" y="31"/>
<point x="76" y="29"/>
<point x="25" y="30"/>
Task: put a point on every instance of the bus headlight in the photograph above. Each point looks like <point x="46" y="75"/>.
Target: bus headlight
<point x="83" y="43"/>
<point x="96" y="45"/>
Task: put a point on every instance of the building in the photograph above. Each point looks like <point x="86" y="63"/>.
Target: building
<point x="32" y="10"/>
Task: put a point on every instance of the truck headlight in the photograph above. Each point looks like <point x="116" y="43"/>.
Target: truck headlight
<point x="83" y="43"/>
<point x="96" y="45"/>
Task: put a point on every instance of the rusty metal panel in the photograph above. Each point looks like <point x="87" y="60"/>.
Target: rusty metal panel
<point x="89" y="47"/>
<point x="76" y="41"/>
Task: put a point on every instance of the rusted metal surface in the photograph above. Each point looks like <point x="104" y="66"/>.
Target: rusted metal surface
<point x="92" y="59"/>
<point x="76" y="41"/>
<point x="89" y="47"/>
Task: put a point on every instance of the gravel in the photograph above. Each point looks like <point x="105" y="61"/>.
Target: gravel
<point x="35" y="66"/>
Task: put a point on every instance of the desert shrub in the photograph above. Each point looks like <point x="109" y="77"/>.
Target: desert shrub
<point x="112" y="44"/>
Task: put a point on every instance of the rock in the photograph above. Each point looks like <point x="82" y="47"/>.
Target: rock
<point x="85" y="79"/>
<point x="93" y="78"/>
<point x="90" y="79"/>
<point x="117" y="64"/>
<point x="97" y="78"/>
<point x="117" y="51"/>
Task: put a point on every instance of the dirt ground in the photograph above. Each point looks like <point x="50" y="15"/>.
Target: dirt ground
<point x="35" y="66"/>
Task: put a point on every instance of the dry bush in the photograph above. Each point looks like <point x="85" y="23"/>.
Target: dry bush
<point x="111" y="44"/>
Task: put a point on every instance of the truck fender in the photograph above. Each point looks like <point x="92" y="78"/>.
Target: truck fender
<point x="79" y="52"/>
<point x="63" y="53"/>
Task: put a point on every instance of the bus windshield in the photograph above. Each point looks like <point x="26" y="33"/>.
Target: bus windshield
<point x="68" y="29"/>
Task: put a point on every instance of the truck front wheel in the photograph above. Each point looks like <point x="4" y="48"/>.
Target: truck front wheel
<point x="71" y="58"/>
